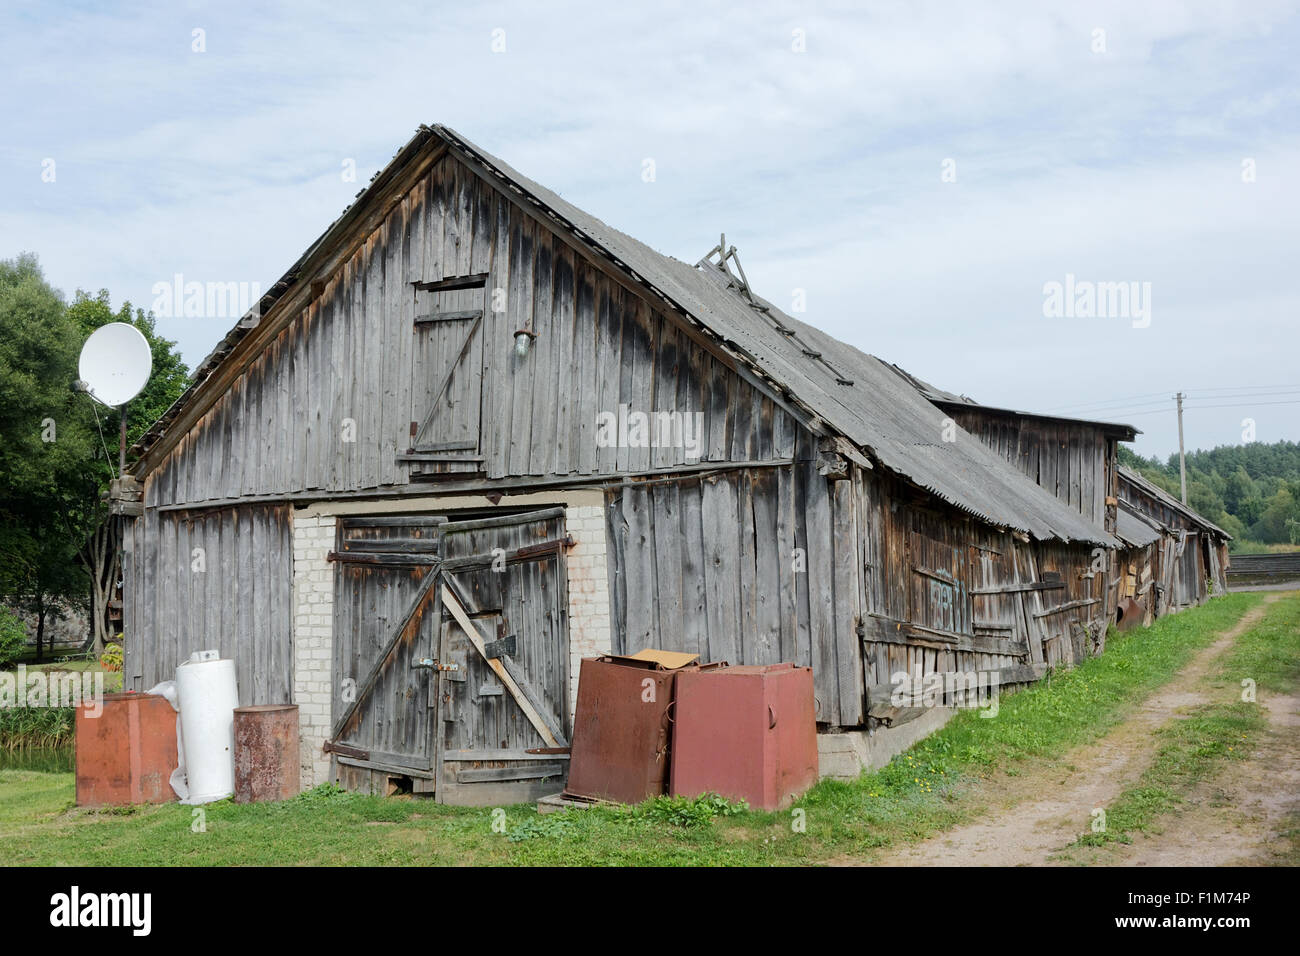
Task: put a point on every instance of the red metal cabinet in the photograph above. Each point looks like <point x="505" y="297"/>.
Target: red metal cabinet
<point x="621" y="727"/>
<point x="127" y="753"/>
<point x="747" y="733"/>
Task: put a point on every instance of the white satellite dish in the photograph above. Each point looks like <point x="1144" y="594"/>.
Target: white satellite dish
<point x="115" y="363"/>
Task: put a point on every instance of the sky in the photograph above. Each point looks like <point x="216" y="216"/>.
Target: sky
<point x="1071" y="208"/>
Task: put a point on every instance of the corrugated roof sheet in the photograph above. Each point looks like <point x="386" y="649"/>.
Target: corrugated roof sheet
<point x="1157" y="492"/>
<point x="1133" y="531"/>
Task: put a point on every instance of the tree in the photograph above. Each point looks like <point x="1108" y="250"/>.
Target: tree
<point x="58" y="448"/>
<point x="1238" y="488"/>
<point x="45" y="443"/>
<point x="1271" y="528"/>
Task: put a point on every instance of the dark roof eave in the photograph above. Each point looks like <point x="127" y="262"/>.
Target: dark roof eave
<point x="1116" y="429"/>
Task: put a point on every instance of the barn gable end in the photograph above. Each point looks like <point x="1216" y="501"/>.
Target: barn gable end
<point x="329" y="404"/>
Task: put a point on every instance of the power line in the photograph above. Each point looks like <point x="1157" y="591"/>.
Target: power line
<point x="1122" y="403"/>
<point x="1161" y="411"/>
<point x="1246" y="404"/>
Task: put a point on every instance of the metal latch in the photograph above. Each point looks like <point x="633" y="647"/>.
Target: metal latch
<point x="433" y="664"/>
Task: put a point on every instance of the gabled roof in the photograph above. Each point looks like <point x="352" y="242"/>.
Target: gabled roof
<point x="855" y="394"/>
<point x="1131" y="476"/>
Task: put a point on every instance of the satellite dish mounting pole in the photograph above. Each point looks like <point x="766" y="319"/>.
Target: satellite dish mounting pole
<point x="121" y="442"/>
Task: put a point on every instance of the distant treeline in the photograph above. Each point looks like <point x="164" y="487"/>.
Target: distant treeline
<point x="1251" y="491"/>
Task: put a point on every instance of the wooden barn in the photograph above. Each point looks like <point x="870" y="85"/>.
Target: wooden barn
<point x="1075" y="459"/>
<point x="1170" y="557"/>
<point x="1173" y="558"/>
<point x="474" y="434"/>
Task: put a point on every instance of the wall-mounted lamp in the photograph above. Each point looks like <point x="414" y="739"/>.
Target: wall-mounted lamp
<point x="523" y="341"/>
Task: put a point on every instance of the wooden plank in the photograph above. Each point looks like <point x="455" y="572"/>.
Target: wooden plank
<point x="1068" y="607"/>
<point x="641" y="625"/>
<point x="393" y="768"/>
<point x="847" y="650"/>
<point x="568" y="362"/>
<point x="491" y="774"/>
<point x="695" y="622"/>
<point x="593" y="353"/>
<point x="523" y="283"/>
<point x="452" y="282"/>
<point x="499" y="667"/>
<point x="512" y="754"/>
<point x="821" y="584"/>
<point x="750" y="644"/>
<point x="721" y="578"/>
<point x="786" y="596"/>
<point x="1016" y="588"/>
<point x="768" y="562"/>
<point x="614" y="367"/>
<point x="667" y="578"/>
<point x="453" y="315"/>
<point x="544" y="358"/>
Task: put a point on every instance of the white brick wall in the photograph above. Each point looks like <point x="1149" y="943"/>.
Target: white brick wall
<point x="589" y="623"/>
<point x="313" y="640"/>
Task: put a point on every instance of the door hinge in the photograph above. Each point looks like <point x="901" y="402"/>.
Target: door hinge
<point x="433" y="664"/>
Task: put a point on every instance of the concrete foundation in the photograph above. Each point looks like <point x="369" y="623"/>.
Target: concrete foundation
<point x="845" y="756"/>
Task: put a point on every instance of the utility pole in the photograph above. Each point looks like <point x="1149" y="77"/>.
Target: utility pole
<point x="1182" y="461"/>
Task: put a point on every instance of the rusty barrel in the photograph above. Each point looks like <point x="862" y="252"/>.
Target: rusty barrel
<point x="1131" y="614"/>
<point x="126" y="750"/>
<point x="266" y="753"/>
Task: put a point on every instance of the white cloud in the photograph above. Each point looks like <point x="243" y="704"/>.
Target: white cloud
<point x="822" y="166"/>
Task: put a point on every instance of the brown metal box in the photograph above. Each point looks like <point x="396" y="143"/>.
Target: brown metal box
<point x="621" y="726"/>
<point x="746" y="733"/>
<point x="267" y="762"/>
<point x="127" y="753"/>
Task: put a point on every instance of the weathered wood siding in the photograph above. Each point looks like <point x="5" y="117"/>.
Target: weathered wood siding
<point x="1074" y="462"/>
<point x="886" y="581"/>
<point x="219" y="579"/>
<point x="328" y="405"/>
<point x="1188" y="557"/>
<point x="944" y="593"/>
<point x="753" y="566"/>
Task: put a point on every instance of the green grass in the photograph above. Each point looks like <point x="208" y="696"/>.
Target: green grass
<point x="1193" y="748"/>
<point x="922" y="791"/>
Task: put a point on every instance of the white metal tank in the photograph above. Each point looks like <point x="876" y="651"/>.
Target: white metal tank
<point x="208" y="698"/>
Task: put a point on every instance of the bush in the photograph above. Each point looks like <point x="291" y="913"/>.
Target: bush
<point x="13" y="637"/>
<point x="112" y="657"/>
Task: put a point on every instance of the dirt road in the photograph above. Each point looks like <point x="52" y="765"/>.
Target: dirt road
<point x="1234" y="818"/>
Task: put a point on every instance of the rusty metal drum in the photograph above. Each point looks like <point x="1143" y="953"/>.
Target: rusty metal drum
<point x="267" y="762"/>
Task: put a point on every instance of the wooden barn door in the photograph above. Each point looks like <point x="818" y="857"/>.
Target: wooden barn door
<point x="385" y="625"/>
<point x="505" y="629"/>
<point x="447" y="376"/>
